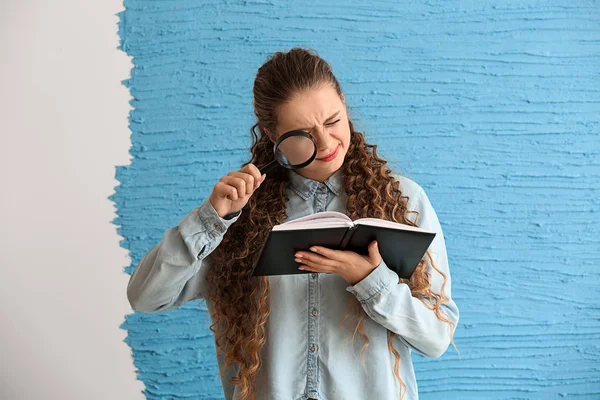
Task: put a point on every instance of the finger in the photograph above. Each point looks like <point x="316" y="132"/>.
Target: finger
<point x="315" y="259"/>
<point x="248" y="179"/>
<point x="226" y="190"/>
<point x="255" y="172"/>
<point x="309" y="269"/>
<point x="323" y="264"/>
<point x="237" y="183"/>
<point x="374" y="254"/>
<point x="314" y="267"/>
<point x="337" y="255"/>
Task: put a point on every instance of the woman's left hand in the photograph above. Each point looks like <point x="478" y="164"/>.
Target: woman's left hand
<point x="351" y="266"/>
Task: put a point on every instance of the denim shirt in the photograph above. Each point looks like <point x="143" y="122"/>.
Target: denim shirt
<point x="307" y="353"/>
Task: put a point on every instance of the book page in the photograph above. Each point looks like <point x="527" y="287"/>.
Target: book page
<point x="320" y="215"/>
<point x="322" y="219"/>
<point x="389" y="224"/>
<point x="314" y="224"/>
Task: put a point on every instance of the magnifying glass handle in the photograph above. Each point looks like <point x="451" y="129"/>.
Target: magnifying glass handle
<point x="268" y="167"/>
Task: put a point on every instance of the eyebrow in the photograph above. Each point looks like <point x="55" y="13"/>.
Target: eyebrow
<point x="328" y="119"/>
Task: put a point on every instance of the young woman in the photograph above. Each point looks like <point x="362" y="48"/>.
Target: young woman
<point x="284" y="337"/>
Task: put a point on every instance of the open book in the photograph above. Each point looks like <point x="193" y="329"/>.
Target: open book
<point x="401" y="246"/>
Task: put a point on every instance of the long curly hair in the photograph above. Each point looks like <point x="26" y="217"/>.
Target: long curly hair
<point x="240" y="301"/>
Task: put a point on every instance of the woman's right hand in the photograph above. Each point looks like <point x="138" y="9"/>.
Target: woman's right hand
<point x="233" y="190"/>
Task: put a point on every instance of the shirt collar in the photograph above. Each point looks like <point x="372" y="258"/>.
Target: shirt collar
<point x="306" y="187"/>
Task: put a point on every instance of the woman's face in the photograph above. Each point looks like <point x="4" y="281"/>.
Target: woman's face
<point x="322" y="113"/>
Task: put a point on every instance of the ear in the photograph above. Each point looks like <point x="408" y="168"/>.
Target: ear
<point x="269" y="135"/>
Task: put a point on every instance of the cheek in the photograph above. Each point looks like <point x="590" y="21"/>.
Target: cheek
<point x="345" y="139"/>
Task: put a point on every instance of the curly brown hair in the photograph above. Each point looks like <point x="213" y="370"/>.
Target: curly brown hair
<point x="240" y="301"/>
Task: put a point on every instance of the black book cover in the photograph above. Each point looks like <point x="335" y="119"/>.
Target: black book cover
<point x="400" y="249"/>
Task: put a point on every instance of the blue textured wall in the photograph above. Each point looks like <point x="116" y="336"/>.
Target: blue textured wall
<point x="493" y="108"/>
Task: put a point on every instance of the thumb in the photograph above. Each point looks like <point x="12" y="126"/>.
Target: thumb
<point x="374" y="253"/>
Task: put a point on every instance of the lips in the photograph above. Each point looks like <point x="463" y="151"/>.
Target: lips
<point x="330" y="154"/>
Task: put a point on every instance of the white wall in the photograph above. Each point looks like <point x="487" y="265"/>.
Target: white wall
<point x="63" y="124"/>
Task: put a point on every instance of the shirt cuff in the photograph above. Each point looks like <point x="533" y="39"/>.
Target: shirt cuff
<point x="204" y="220"/>
<point x="381" y="278"/>
<point x="232" y="215"/>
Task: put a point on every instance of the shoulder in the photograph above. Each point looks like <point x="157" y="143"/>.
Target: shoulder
<point x="420" y="209"/>
<point x="409" y="187"/>
<point x="422" y="214"/>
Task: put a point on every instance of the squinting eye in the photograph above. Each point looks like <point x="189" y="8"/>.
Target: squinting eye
<point x="333" y="123"/>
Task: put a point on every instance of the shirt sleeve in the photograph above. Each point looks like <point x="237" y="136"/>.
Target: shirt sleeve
<point x="392" y="305"/>
<point x="174" y="270"/>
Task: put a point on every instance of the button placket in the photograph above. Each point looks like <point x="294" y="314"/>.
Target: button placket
<point x="313" y="335"/>
<point x="321" y="198"/>
<point x="320" y="203"/>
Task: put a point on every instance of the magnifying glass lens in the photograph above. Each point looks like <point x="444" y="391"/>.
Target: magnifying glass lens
<point x="295" y="150"/>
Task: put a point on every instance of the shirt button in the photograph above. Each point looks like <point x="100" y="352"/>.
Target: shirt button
<point x="313" y="348"/>
<point x="315" y="312"/>
<point x="313" y="275"/>
<point x="218" y="227"/>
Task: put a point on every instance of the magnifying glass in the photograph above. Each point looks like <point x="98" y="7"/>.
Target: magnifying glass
<point x="293" y="150"/>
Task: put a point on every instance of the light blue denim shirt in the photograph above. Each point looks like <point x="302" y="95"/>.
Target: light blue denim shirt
<point x="307" y="354"/>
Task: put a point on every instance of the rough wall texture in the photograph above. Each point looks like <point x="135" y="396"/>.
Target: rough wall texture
<point x="493" y="108"/>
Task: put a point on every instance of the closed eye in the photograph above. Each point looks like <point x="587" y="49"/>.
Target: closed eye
<point x="335" y="122"/>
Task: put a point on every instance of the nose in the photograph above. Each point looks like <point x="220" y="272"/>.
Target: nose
<point x="324" y="141"/>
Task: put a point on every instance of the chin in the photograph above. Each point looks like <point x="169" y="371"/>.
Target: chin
<point x="332" y="165"/>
